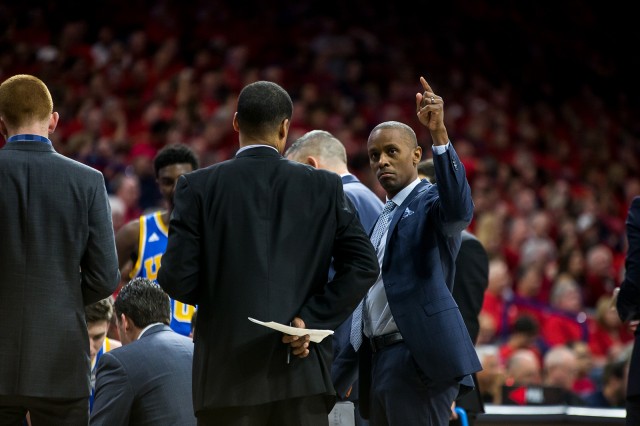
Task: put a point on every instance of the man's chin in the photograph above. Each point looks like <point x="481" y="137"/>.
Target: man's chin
<point x="388" y="184"/>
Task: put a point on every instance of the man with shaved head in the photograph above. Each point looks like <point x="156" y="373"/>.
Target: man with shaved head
<point x="416" y="355"/>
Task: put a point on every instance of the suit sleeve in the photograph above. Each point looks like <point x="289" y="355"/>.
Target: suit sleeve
<point x="344" y="369"/>
<point x="356" y="269"/>
<point x="179" y="272"/>
<point x="628" y="303"/>
<point x="99" y="264"/>
<point x="471" y="280"/>
<point x="455" y="204"/>
<point x="114" y="395"/>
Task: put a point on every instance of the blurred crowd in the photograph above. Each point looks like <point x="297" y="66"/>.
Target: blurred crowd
<point x="536" y="106"/>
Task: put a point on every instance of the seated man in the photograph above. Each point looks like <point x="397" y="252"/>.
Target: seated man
<point x="98" y="316"/>
<point x="148" y="380"/>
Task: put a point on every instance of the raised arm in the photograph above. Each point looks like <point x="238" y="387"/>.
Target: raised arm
<point x="455" y="203"/>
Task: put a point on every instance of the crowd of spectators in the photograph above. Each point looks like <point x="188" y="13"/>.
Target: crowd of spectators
<point x="539" y="105"/>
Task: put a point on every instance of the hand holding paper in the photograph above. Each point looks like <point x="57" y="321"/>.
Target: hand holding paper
<point x="316" y="335"/>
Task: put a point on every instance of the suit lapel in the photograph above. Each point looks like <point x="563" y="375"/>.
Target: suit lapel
<point x="399" y="211"/>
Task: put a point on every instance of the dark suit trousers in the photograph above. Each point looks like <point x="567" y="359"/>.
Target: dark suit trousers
<point x="43" y="411"/>
<point x="305" y="411"/>
<point x="402" y="395"/>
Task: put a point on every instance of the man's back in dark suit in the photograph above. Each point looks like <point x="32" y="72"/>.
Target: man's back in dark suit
<point x="147" y="381"/>
<point x="57" y="255"/>
<point x="254" y="237"/>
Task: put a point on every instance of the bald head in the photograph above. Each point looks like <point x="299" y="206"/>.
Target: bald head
<point x="408" y="135"/>
<point x="319" y="149"/>
<point x="523" y="368"/>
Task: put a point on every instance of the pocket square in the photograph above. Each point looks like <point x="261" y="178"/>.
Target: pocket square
<point x="407" y="213"/>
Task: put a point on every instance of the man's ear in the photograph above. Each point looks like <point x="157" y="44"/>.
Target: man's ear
<point x="53" y="122"/>
<point x="417" y="155"/>
<point x="312" y="162"/>
<point x="283" y="131"/>
<point x="124" y="322"/>
<point x="235" y="122"/>
<point x="3" y="128"/>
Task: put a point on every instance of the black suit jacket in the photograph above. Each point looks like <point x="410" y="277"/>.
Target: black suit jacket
<point x="628" y="302"/>
<point x="471" y="280"/>
<point x="254" y="237"/>
<point x="57" y="254"/>
<point x="147" y="382"/>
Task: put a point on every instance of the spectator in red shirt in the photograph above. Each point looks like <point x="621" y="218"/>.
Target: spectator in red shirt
<point x="600" y="274"/>
<point x="499" y="281"/>
<point x="608" y="336"/>
<point x="565" y="322"/>
<point x="584" y="384"/>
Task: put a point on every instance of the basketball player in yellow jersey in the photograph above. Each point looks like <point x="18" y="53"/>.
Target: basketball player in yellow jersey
<point x="142" y="242"/>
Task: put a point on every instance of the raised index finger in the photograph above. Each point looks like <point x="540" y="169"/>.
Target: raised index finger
<point x="425" y="85"/>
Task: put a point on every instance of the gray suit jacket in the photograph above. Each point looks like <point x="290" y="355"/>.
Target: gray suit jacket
<point x="147" y="382"/>
<point x="57" y="254"/>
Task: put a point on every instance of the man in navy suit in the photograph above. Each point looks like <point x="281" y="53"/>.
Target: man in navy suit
<point x="628" y="304"/>
<point x="415" y="351"/>
<point x="148" y="380"/>
<point x="322" y="150"/>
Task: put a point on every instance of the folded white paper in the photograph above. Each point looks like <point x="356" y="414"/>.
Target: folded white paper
<point x="315" y="335"/>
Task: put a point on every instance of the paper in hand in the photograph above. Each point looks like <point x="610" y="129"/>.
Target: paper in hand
<point x="316" y="335"/>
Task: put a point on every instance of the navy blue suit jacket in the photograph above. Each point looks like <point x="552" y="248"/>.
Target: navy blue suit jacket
<point x="418" y="270"/>
<point x="628" y="302"/>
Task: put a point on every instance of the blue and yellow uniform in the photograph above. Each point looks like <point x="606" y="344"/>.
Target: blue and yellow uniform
<point x="106" y="347"/>
<point x="154" y="235"/>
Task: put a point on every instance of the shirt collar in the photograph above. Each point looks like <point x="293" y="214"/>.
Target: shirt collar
<point x="402" y="195"/>
<point x="147" y="328"/>
<point x="29" y="138"/>
<point x="244" y="148"/>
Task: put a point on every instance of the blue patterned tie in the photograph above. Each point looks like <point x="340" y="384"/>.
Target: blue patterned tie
<point x="378" y="231"/>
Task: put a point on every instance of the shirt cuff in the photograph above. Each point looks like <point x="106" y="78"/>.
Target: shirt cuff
<point x="440" y="149"/>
